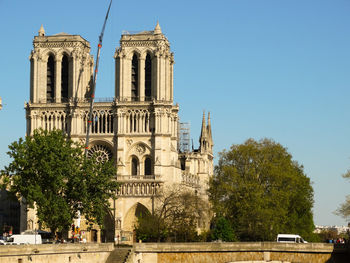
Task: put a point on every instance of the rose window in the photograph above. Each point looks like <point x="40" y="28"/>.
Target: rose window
<point x="100" y="152"/>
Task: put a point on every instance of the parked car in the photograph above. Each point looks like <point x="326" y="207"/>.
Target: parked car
<point x="24" y="239"/>
<point x="290" y="238"/>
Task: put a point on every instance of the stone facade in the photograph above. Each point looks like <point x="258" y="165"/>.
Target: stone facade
<point x="138" y="128"/>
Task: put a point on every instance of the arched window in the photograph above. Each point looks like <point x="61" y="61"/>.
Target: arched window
<point x="50" y="84"/>
<point x="134" y="78"/>
<point x="134" y="166"/>
<point x="148" y="166"/>
<point x="146" y="123"/>
<point x="148" y="78"/>
<point x="64" y="79"/>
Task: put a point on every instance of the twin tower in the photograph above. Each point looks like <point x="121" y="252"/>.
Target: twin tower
<point x="138" y="129"/>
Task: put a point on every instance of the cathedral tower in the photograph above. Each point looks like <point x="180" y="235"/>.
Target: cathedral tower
<point x="147" y="118"/>
<point x="60" y="73"/>
<point x="61" y="68"/>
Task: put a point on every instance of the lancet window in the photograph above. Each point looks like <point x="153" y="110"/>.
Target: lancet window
<point x="50" y="82"/>
<point x="139" y="121"/>
<point x="148" y="166"/>
<point x="134" y="166"/>
<point x="54" y="120"/>
<point x="134" y="78"/>
<point x="148" y="78"/>
<point x="102" y="121"/>
<point x="64" y="79"/>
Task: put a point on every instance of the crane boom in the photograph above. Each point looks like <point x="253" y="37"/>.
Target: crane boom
<point x="94" y="81"/>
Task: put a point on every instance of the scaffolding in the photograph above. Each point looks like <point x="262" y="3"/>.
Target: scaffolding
<point x="185" y="137"/>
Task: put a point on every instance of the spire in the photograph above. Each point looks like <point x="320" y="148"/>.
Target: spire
<point x="204" y="130"/>
<point x="157" y="29"/>
<point x="203" y="141"/>
<point x="41" y="31"/>
<point x="209" y="128"/>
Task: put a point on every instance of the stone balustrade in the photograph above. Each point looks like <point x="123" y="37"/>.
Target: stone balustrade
<point x="139" y="188"/>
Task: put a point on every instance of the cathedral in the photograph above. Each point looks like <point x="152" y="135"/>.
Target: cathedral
<point x="138" y="129"/>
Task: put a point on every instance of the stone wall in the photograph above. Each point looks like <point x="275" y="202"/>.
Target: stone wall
<point x="254" y="252"/>
<point x="238" y="252"/>
<point x="56" y="253"/>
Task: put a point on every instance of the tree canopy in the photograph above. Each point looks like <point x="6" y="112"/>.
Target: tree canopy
<point x="344" y="209"/>
<point x="50" y="172"/>
<point x="221" y="229"/>
<point x="261" y="191"/>
<point x="177" y="215"/>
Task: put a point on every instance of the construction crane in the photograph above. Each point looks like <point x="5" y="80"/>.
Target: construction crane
<point x="94" y="81"/>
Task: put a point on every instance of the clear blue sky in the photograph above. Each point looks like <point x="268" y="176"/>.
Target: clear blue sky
<point x="263" y="68"/>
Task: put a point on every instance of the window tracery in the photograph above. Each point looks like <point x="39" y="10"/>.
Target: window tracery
<point x="101" y="152"/>
<point x="102" y="121"/>
<point x="54" y="120"/>
<point x="139" y="121"/>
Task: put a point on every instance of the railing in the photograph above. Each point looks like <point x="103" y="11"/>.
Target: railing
<point x="74" y="99"/>
<point x="125" y="32"/>
<point x="189" y="179"/>
<point x="135" y="98"/>
<point x="135" y="177"/>
<point x="139" y="189"/>
<point x="106" y="99"/>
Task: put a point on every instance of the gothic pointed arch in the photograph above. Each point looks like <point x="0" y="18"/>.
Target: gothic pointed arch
<point x="135" y="78"/>
<point x="64" y="77"/>
<point x="136" y="211"/>
<point x="135" y="166"/>
<point x="148" y="165"/>
<point x="148" y="77"/>
<point x="50" y="78"/>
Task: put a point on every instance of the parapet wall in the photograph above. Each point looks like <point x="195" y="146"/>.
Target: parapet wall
<point x="56" y="253"/>
<point x="254" y="252"/>
<point x="238" y="252"/>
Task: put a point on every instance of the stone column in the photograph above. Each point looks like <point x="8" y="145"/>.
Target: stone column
<point x="171" y="78"/>
<point x="58" y="72"/>
<point x="142" y="79"/>
<point x="99" y="236"/>
<point x="75" y="66"/>
<point x="41" y="79"/>
<point x="34" y="75"/>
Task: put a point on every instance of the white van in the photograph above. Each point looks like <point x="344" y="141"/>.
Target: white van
<point x="290" y="238"/>
<point x="24" y="239"/>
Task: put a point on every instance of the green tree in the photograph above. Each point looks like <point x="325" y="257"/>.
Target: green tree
<point x="222" y="230"/>
<point x="344" y="209"/>
<point x="50" y="172"/>
<point x="262" y="191"/>
<point x="177" y="215"/>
